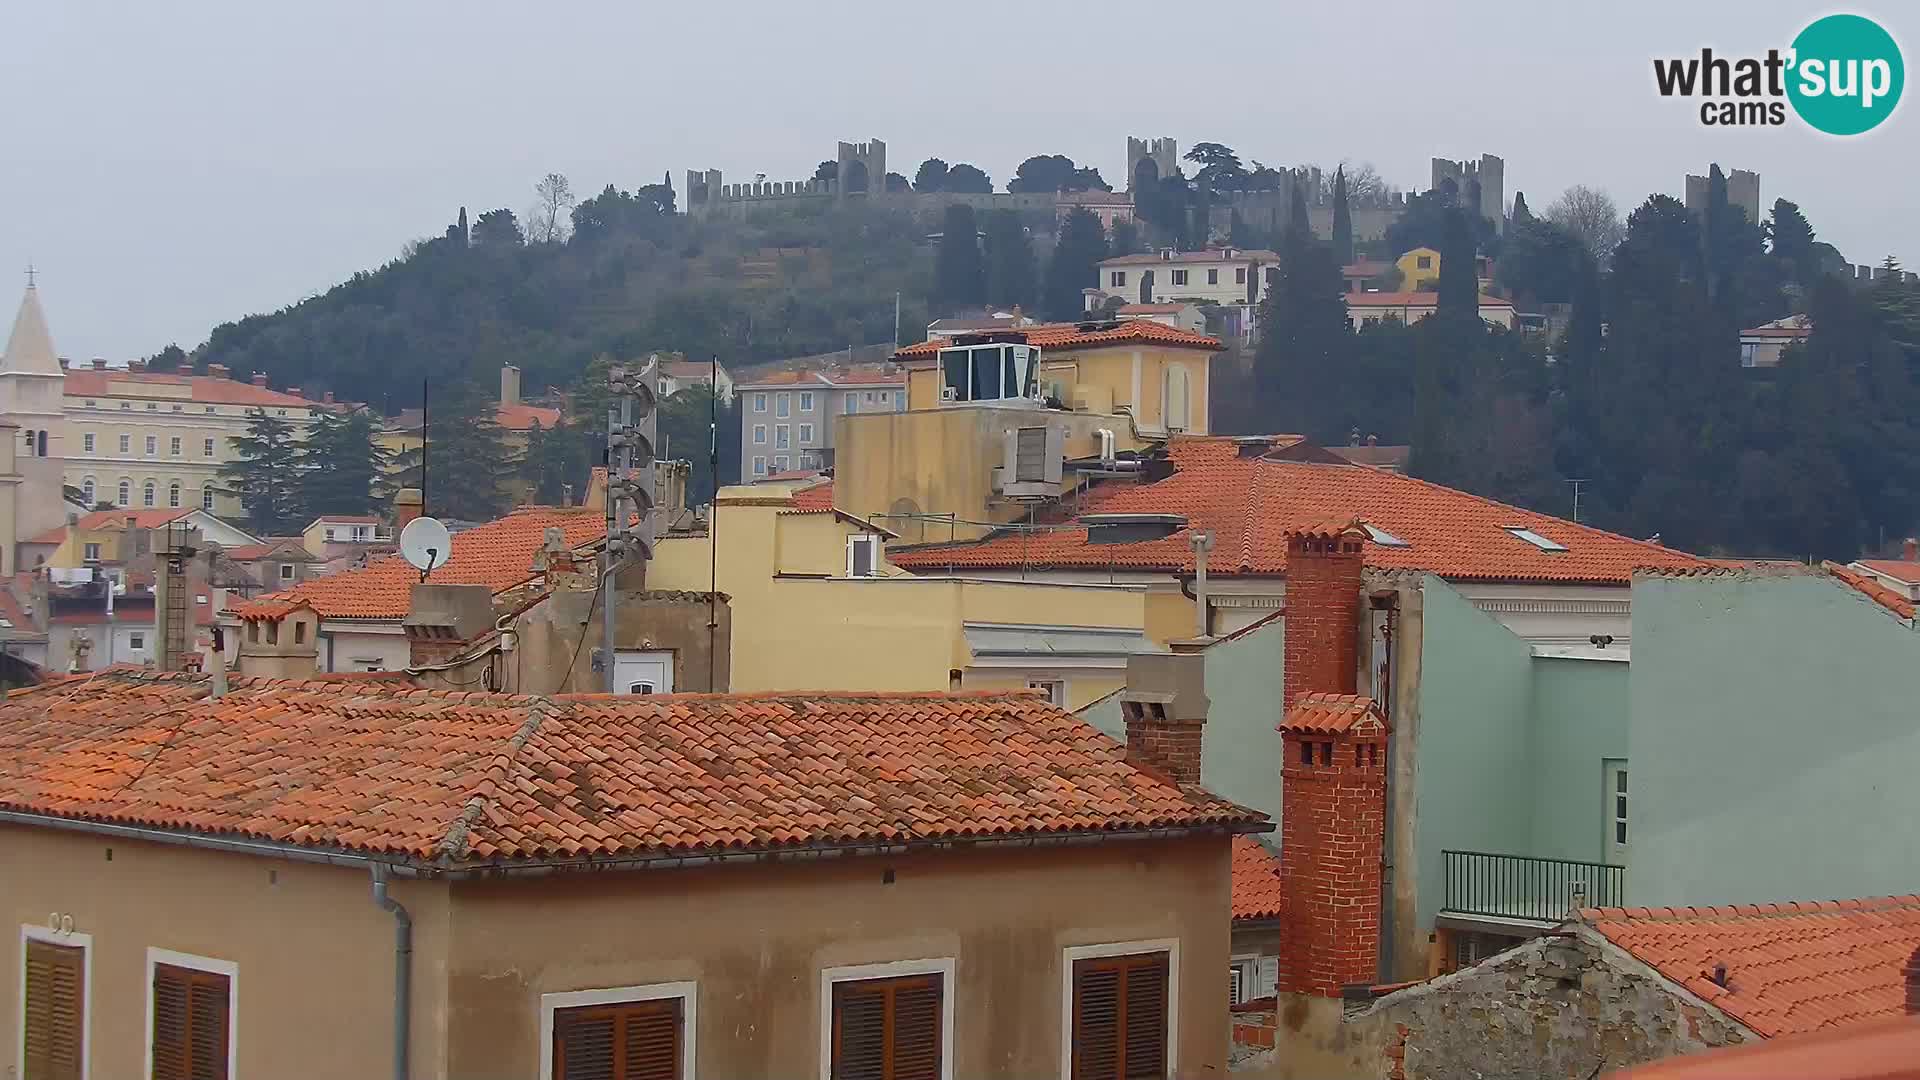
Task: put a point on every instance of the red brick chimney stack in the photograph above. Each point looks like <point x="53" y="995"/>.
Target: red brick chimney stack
<point x="1333" y="773"/>
<point x="1165" y="704"/>
<point x="1910" y="550"/>
<point x="1911" y="974"/>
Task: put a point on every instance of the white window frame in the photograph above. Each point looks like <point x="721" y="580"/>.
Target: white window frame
<point x="759" y="434"/>
<point x="806" y="401"/>
<point x="286" y="571"/>
<point x="851" y="403"/>
<point x="899" y="399"/>
<point x="83" y="942"/>
<point x="873" y="558"/>
<point x="206" y="498"/>
<point x="126" y="444"/>
<point x="759" y="465"/>
<point x="90" y="552"/>
<point x="1116" y="279"/>
<point x="782" y="405"/>
<point x="1177" y="277"/>
<point x="781" y="463"/>
<point x="939" y="965"/>
<point x="1056" y="687"/>
<point x="153" y="446"/>
<point x="805" y="435"/>
<point x="206" y="448"/>
<point x="173" y="446"/>
<point x="87" y="441"/>
<point x="212" y="967"/>
<point x="782" y="437"/>
<point x="687" y="992"/>
<point x="759" y="402"/>
<point x="1170" y="946"/>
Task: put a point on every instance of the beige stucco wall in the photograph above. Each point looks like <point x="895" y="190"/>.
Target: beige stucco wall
<point x="314" y="990"/>
<point x="1101" y="378"/>
<point x="755" y="938"/>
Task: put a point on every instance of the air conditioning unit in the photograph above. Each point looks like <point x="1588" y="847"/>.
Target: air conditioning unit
<point x="1033" y="462"/>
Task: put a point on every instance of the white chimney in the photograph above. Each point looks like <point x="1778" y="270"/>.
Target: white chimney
<point x="509" y="385"/>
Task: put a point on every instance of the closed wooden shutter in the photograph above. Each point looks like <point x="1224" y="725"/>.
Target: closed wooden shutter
<point x="1120" y="1017"/>
<point x="887" y="1029"/>
<point x="190" y="1010"/>
<point x="631" y="1040"/>
<point x="55" y="1018"/>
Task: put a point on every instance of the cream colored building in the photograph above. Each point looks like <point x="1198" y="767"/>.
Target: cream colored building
<point x="1411" y="307"/>
<point x="145" y="439"/>
<point x="1214" y="276"/>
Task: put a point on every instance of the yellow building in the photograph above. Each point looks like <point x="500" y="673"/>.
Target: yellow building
<point x="112" y="537"/>
<point x="1419" y="269"/>
<point x="1088" y="392"/>
<point x="816" y="607"/>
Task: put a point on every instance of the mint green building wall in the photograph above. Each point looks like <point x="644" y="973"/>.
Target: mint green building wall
<point x="1775" y="732"/>
<point x="1579" y="720"/>
<point x="1470" y="764"/>
<point x="1240" y="751"/>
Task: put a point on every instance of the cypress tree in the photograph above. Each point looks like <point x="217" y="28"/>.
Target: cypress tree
<point x="1459" y="290"/>
<point x="959" y="274"/>
<point x="1342" y="220"/>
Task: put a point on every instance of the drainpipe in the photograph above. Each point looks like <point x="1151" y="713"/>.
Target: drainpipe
<point x="1202" y="543"/>
<point x="402" y="970"/>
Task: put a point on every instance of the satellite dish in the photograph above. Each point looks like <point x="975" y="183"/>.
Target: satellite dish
<point x="425" y="544"/>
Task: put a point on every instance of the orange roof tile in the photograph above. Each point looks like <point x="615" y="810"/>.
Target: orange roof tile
<point x="1333" y="714"/>
<point x="1886" y="1050"/>
<point x="1256" y="880"/>
<point x="1881" y="594"/>
<point x="104" y="519"/>
<point x="814" y="499"/>
<point x="498" y="555"/>
<point x="521" y="417"/>
<point x="1790" y="968"/>
<point x="1250" y="503"/>
<point x="1151" y="258"/>
<point x="1412" y="299"/>
<point x="1897" y="569"/>
<point x="204" y="389"/>
<point x="1070" y="336"/>
<point x="456" y="779"/>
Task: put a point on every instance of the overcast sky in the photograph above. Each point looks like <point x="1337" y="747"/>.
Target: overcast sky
<point x="171" y="166"/>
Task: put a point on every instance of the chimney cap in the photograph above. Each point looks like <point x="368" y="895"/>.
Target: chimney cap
<point x="259" y="378"/>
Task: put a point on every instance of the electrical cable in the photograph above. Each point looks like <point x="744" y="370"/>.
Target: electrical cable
<point x="592" y="606"/>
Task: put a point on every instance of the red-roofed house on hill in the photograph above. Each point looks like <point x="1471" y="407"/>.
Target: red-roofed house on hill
<point x="972" y="885"/>
<point x="1621" y="987"/>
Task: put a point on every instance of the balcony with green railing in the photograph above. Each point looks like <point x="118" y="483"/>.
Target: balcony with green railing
<point x="1486" y="885"/>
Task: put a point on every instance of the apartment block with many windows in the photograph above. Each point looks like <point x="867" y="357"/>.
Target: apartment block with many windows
<point x="787" y="418"/>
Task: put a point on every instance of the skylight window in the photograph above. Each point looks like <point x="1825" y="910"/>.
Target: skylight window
<point x="1536" y="539"/>
<point x="1383" y="537"/>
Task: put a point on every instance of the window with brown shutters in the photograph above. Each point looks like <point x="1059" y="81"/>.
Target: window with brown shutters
<point x="190" y="1012"/>
<point x="1120" y="1017"/>
<point x="887" y="1029"/>
<point x="55" y="1010"/>
<point x="629" y="1040"/>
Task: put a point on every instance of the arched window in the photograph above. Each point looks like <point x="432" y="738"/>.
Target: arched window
<point x="173" y="493"/>
<point x="86" y="489"/>
<point x="147" y="492"/>
<point x="206" y="497"/>
<point x="126" y="493"/>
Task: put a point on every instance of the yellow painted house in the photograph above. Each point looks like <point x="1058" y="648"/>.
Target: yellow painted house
<point x="816" y="607"/>
<point x="1419" y="270"/>
<point x="938" y="470"/>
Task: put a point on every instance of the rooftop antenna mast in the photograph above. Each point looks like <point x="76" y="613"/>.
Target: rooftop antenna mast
<point x="632" y="428"/>
<point x="424" y="505"/>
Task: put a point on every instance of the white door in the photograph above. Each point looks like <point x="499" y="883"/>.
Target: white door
<point x="637" y="672"/>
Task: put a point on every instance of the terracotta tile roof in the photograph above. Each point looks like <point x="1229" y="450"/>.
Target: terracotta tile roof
<point x="1333" y="714"/>
<point x="1256" y="880"/>
<point x="1791" y="333"/>
<point x="1897" y="569"/>
<point x="523" y="416"/>
<point x="289" y="548"/>
<point x="204" y="389"/>
<point x="1151" y="309"/>
<point x="103" y="519"/>
<point x="1886" y="596"/>
<point x="1790" y="968"/>
<point x="1152" y="258"/>
<point x="1886" y="1050"/>
<point x="1070" y="336"/>
<point x="856" y="375"/>
<point x="817" y="498"/>
<point x="1365" y="268"/>
<point x="381" y="766"/>
<point x="344" y="519"/>
<point x="1250" y="502"/>
<point x="1412" y="299"/>
<point x="498" y="555"/>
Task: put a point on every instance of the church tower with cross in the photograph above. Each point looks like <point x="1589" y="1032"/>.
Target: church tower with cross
<point x="32" y="399"/>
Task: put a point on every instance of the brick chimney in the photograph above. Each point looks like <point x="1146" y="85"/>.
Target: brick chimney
<point x="136" y="366"/>
<point x="444" y="620"/>
<point x="1165" y="705"/>
<point x="1910" y="550"/>
<point x="509" y="385"/>
<point x="326" y="398"/>
<point x="219" y="371"/>
<point x="1911" y="975"/>
<point x="259" y="379"/>
<point x="1323" y="610"/>
<point x="407" y="505"/>
<point x="1333" y="773"/>
<point x="99" y="364"/>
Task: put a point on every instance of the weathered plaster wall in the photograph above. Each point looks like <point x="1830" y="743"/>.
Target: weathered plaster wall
<point x="1773" y="742"/>
<point x="1556" y="1006"/>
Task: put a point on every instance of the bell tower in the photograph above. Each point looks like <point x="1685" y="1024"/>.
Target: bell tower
<point x="32" y="404"/>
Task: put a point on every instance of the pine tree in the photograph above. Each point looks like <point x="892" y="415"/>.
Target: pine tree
<point x="468" y="461"/>
<point x="265" y="471"/>
<point x="1301" y="358"/>
<point x="1075" y="265"/>
<point x="342" y="466"/>
<point x="959" y="276"/>
<point x="1342" y="220"/>
<point x="555" y="458"/>
<point x="1011" y="274"/>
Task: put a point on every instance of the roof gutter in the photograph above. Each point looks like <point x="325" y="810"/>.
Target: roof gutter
<point x="407" y="867"/>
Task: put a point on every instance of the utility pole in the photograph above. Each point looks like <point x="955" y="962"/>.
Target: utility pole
<point x="631" y="432"/>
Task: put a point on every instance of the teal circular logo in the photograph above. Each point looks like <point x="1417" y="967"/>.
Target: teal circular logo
<point x="1846" y="76"/>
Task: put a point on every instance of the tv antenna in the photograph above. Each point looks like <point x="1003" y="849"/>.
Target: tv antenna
<point x="425" y="544"/>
